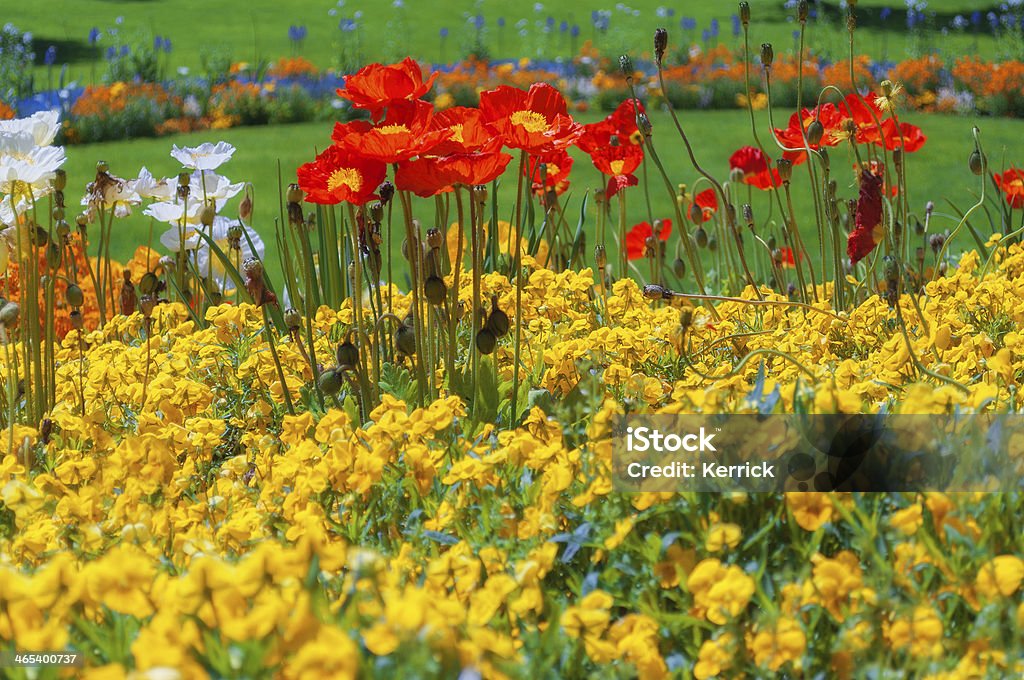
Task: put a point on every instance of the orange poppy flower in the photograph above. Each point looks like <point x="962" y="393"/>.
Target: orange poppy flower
<point x="336" y="176"/>
<point x="536" y="121"/>
<point x="913" y="138"/>
<point x="376" y="86"/>
<point x="636" y="238"/>
<point x="404" y="133"/>
<point x="754" y="165"/>
<point x="1011" y="183"/>
<point x="555" y="175"/>
<point x="465" y="128"/>
<point x="620" y="125"/>
<point x="619" y="163"/>
<point x="792" y="136"/>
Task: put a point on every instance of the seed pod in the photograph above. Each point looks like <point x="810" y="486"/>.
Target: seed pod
<point x="701" y="237"/>
<point x="745" y="13"/>
<point x="252" y="268"/>
<point x="712" y="244"/>
<point x="802" y="10"/>
<point x="292" y="319"/>
<point x="643" y="124"/>
<point x="660" y="44"/>
<point x="497" y="321"/>
<point x="851" y="21"/>
<point x="347" y="354"/>
<point x="376" y="211"/>
<point x="208" y="213"/>
<point x="977" y="162"/>
<point x="184" y="178"/>
<point x="929" y="208"/>
<point x="60" y="179"/>
<point x="434" y="237"/>
<point x="434" y="289"/>
<point x="330" y="381"/>
<point x="679" y="268"/>
<point x="486" y="341"/>
<point x="767" y="54"/>
<point x="74" y="296"/>
<point x="62" y="228"/>
<point x="600" y="257"/>
<point x="815" y="131"/>
<point x="405" y="340"/>
<point x="653" y="291"/>
<point x="294" y="194"/>
<point x="148" y="283"/>
<point x="58" y="212"/>
<point x="696" y="214"/>
<point x="772" y="242"/>
<point x="748" y="215"/>
<point x="936" y="241"/>
<point x="102" y="166"/>
<point x="736" y="175"/>
<point x="890" y="268"/>
<point x="77" y="322"/>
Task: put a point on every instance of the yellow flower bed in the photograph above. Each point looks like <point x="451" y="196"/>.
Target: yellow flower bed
<point x="180" y="525"/>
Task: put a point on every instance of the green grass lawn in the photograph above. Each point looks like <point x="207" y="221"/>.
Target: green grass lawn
<point x="200" y="29"/>
<point x="937" y="172"/>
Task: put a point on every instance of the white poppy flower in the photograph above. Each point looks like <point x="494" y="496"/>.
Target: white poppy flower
<point x="117" y="195"/>
<point x="41" y="126"/>
<point x="207" y="263"/>
<point x="206" y="156"/>
<point x="26" y="171"/>
<point x="148" y="186"/>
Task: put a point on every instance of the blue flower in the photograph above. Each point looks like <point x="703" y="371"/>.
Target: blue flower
<point x="736" y="26"/>
<point x="563" y="27"/>
<point x="444" y="33"/>
<point x="575" y="31"/>
<point x="94" y="35"/>
<point x="885" y="13"/>
<point x="714" y="28"/>
<point x="501" y="22"/>
<point x="50" y="57"/>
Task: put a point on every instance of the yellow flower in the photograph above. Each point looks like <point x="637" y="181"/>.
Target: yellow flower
<point x="589" y="618"/>
<point x="784" y="643"/>
<point x="331" y="654"/>
<point x="719" y="592"/>
<point x="721" y="536"/>
<point x="908" y="520"/>
<point x="1001" y="575"/>
<point x="810" y="509"/>
<point x="715" y="657"/>
<point x="121" y="580"/>
<point x="622" y="529"/>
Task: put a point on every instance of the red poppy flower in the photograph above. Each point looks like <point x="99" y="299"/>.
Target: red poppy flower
<point x="913" y="138"/>
<point x="863" y="112"/>
<point x="792" y="136"/>
<point x="555" y="175"/>
<point x="336" y="176"/>
<point x="754" y="165"/>
<point x="431" y="175"/>
<point x="465" y="130"/>
<point x="619" y="163"/>
<point x="1011" y="183"/>
<point x="404" y="133"/>
<point x="376" y="86"/>
<point x="636" y="238"/>
<point x="707" y="201"/>
<point x="786" y="258"/>
<point x="536" y="121"/>
<point x="619" y="125"/>
<point x="868" y="219"/>
<point x="424" y="176"/>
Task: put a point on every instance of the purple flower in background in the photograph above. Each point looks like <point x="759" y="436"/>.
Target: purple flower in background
<point x="167" y="45"/>
<point x="976" y="18"/>
<point x="714" y="28"/>
<point x="444" y="33"/>
<point x="501" y="22"/>
<point x="993" y="20"/>
<point x="563" y="27"/>
<point x="94" y="36"/>
<point x="575" y="31"/>
<point x="158" y="43"/>
<point x="688" y="23"/>
<point x="478" y="22"/>
<point x="297" y="33"/>
<point x="705" y="35"/>
<point x="125" y="50"/>
<point x="111" y="53"/>
<point x="736" y="26"/>
<point x="50" y="57"/>
<point x="551" y="22"/>
<point x="346" y="25"/>
<point x="885" y="13"/>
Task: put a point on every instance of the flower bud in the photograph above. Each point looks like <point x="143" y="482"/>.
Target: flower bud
<point x="434" y="237"/>
<point x="815" y="131"/>
<point x="736" y="175"/>
<point x="386" y="191"/>
<point x="376" y="211"/>
<point x="60" y="179"/>
<point x="208" y="213"/>
<point x="643" y="124"/>
<point x="767" y="54"/>
<point x="679" y="268"/>
<point x="929" y="208"/>
<point x="252" y="268"/>
<point x="802" y="10"/>
<point x="53" y="255"/>
<point x="701" y="237"/>
<point x="62" y="228"/>
<point x="653" y="291"/>
<point x="292" y="319"/>
<point x="245" y="208"/>
<point x="748" y="214"/>
<point x="9" y="313"/>
<point x="102" y="166"/>
<point x="486" y="342"/>
<point x="626" y="66"/>
<point x="600" y="257"/>
<point x="660" y="44"/>
<point x="497" y="321"/>
<point x="713" y="244"/>
<point x="74" y="296"/>
<point x="977" y="162"/>
<point x="434" y="289"/>
<point x="347" y="354"/>
<point x="148" y="283"/>
<point x="785" y="169"/>
<point x="294" y="194"/>
<point x="330" y="381"/>
<point x="745" y="13"/>
<point x="405" y="340"/>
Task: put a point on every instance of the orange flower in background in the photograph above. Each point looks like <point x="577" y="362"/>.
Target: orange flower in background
<point x="536" y="121"/>
<point x="404" y="133"/>
<point x="1011" y="183"/>
<point x="465" y="130"/>
<point x="754" y="165"/>
<point x="376" y="86"/>
<point x="292" y="67"/>
<point x="553" y="175"/>
<point x="636" y="238"/>
<point x="336" y="176"/>
<point x="707" y="201"/>
<point x="6" y="112"/>
<point x="619" y="163"/>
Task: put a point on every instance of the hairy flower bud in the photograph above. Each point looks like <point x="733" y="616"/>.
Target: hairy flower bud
<point x="745" y="13"/>
<point x="815" y="131"/>
<point x="294" y="194"/>
<point x="292" y="319"/>
<point x="977" y="162"/>
<point x="643" y="124"/>
<point x="60" y="179"/>
<point x="626" y="66"/>
<point x="600" y="257"/>
<point x="802" y="10"/>
<point x="245" y="208"/>
<point x="767" y="54"/>
<point x="785" y="169"/>
<point x="660" y="44"/>
<point x="748" y="214"/>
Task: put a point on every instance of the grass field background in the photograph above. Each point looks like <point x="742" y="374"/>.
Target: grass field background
<point x="258" y="29"/>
